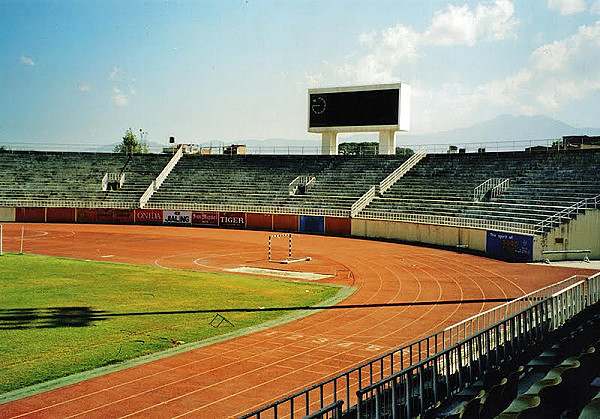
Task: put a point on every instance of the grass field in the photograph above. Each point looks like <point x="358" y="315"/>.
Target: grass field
<point x="62" y="316"/>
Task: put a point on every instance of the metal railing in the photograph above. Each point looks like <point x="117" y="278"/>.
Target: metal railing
<point x="260" y="209"/>
<point x="411" y="391"/>
<point x="363" y="201"/>
<point x="489" y="185"/>
<point x="67" y="203"/>
<point x="306" y="181"/>
<point x="477" y="223"/>
<point x="474" y="324"/>
<point x="113" y="177"/>
<point x="565" y="214"/>
<point x="350" y="385"/>
<point x="499" y="189"/>
<point x="314" y="148"/>
<point x="155" y="185"/>
<point x="393" y="177"/>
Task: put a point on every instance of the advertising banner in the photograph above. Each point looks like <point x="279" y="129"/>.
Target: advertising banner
<point x="123" y="216"/>
<point x="232" y="219"/>
<point x="60" y="215"/>
<point x="282" y="222"/>
<point x="148" y="216"/>
<point x="312" y="224"/>
<point x="105" y="215"/>
<point x="259" y="221"/>
<point x="338" y="226"/>
<point x="86" y="215"/>
<point x="205" y="218"/>
<point x="509" y="246"/>
<point x="30" y="214"/>
<point x="177" y="217"/>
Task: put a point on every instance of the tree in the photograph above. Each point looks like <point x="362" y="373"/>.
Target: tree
<point x="132" y="143"/>
<point x="358" y="149"/>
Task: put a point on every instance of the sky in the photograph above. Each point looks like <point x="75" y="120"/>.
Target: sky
<point x="82" y="72"/>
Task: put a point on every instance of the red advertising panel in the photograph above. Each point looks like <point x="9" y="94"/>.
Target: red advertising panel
<point x="232" y="219"/>
<point x="259" y="221"/>
<point x="148" y="216"/>
<point x="285" y="222"/>
<point x="205" y="218"/>
<point x="31" y="215"/>
<point x="338" y="226"/>
<point x="123" y="216"/>
<point x="105" y="215"/>
<point x="87" y="215"/>
<point x="60" y="215"/>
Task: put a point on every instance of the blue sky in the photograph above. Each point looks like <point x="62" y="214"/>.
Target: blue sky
<point x="75" y="72"/>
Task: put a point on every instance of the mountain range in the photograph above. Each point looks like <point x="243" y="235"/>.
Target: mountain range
<point x="504" y="128"/>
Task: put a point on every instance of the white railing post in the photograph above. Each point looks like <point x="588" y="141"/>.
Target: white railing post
<point x="393" y="177"/>
<point x="565" y="213"/>
<point x="363" y="201"/>
<point x="155" y="185"/>
<point x="496" y="185"/>
<point x="105" y="182"/>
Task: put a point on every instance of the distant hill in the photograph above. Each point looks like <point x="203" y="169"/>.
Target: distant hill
<point x="506" y="128"/>
<point x="500" y="129"/>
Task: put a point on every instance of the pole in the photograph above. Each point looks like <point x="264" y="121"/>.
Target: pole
<point x="0" y="239"/>
<point x="22" y="234"/>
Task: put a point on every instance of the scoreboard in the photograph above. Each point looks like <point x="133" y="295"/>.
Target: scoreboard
<point x="359" y="108"/>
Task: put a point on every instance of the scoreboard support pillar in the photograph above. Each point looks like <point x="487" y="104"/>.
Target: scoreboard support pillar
<point x="387" y="142"/>
<point x="329" y="144"/>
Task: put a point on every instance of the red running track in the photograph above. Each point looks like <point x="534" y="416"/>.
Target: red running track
<point x="230" y="378"/>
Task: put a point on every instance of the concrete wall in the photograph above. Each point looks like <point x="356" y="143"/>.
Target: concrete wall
<point x="421" y="233"/>
<point x="578" y="234"/>
<point x="7" y="214"/>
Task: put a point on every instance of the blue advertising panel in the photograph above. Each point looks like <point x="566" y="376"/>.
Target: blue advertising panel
<point x="312" y="224"/>
<point x="509" y="246"/>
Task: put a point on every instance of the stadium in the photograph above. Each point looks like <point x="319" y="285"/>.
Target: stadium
<point x="429" y="303"/>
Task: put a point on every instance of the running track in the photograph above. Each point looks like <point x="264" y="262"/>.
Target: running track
<point x="230" y="378"/>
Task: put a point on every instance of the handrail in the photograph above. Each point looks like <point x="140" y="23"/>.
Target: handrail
<point x="565" y="213"/>
<point x="67" y="203"/>
<point x="477" y="223"/>
<point x="393" y="177"/>
<point x="260" y="209"/>
<point x="489" y="317"/>
<point x="363" y="201"/>
<point x="500" y="188"/>
<point x="300" y="180"/>
<point x="155" y="185"/>
<point x="527" y="326"/>
<point x="490" y="185"/>
<point x="410" y="356"/>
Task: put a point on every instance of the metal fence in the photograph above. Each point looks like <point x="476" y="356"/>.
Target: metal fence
<point x="516" y="323"/>
<point x="479" y="223"/>
<point x="411" y="391"/>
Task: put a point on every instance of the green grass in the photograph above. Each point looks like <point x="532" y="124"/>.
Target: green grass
<point x="62" y="316"/>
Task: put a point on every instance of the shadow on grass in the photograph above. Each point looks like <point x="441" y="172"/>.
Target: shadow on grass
<point x="41" y="318"/>
<point x="44" y="318"/>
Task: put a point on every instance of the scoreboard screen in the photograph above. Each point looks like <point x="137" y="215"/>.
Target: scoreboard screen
<point x="363" y="108"/>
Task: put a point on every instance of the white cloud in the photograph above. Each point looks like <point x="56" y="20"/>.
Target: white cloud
<point x="595" y="8"/>
<point x="462" y="26"/>
<point x="26" y="60"/>
<point x="367" y="38"/>
<point x="557" y="73"/>
<point x="115" y="74"/>
<point x="119" y="97"/>
<point x="82" y="87"/>
<point x="396" y="45"/>
<point x="567" y="7"/>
